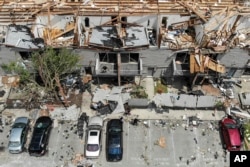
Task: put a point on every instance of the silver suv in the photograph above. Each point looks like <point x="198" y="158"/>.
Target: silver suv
<point x="18" y="135"/>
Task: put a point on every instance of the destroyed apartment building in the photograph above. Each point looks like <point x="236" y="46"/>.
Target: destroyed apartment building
<point x="127" y="38"/>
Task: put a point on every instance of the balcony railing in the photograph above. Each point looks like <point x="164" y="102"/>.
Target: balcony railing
<point x="127" y="69"/>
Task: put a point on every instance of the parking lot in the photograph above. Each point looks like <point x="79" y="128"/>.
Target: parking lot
<point x="179" y="146"/>
<point x="194" y="146"/>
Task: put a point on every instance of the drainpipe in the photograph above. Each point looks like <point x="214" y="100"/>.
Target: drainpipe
<point x="119" y="68"/>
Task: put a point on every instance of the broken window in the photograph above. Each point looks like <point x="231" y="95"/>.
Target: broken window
<point x="124" y="19"/>
<point x="231" y="72"/>
<point x="112" y="58"/>
<point x="129" y="57"/>
<point x="86" y="21"/>
<point x="25" y="55"/>
<point x="182" y="58"/>
<point x="114" y="19"/>
<point x="164" y="22"/>
<point x="134" y="57"/>
<point x="103" y="57"/>
<point x="247" y="71"/>
<point x="88" y="70"/>
<point x="125" y="57"/>
<point x="182" y="61"/>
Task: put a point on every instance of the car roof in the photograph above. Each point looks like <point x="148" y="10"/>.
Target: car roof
<point x="96" y="120"/>
<point x="93" y="139"/>
<point x="15" y="134"/>
<point x="234" y="136"/>
<point x="24" y="120"/>
<point x="36" y="139"/>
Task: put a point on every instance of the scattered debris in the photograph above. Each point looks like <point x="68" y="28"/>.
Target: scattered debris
<point x="195" y="140"/>
<point x="161" y="142"/>
<point x="78" y="159"/>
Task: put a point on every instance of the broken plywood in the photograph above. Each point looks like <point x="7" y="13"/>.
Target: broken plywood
<point x="69" y="27"/>
<point x="161" y="142"/>
<point x="213" y="65"/>
<point x="198" y="63"/>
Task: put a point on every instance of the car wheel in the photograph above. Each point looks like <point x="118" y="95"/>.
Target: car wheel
<point x="224" y="146"/>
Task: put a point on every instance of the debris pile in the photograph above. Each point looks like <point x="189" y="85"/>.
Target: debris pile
<point x="161" y="142"/>
<point x="177" y="36"/>
<point x="231" y="31"/>
<point x="60" y="37"/>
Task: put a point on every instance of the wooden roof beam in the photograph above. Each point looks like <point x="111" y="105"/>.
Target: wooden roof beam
<point x="193" y="10"/>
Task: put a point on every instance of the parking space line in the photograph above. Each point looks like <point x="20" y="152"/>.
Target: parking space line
<point x="196" y="150"/>
<point x="172" y="138"/>
<point x="150" y="144"/>
<point x="127" y="142"/>
<point x="57" y="141"/>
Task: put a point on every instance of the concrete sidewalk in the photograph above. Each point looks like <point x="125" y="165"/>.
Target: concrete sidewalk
<point x="173" y="114"/>
<point x="148" y="84"/>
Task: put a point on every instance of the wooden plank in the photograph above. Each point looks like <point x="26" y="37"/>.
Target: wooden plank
<point x="202" y="59"/>
<point x="62" y="33"/>
<point x="192" y="62"/>
<point x="193" y="10"/>
<point x="216" y="67"/>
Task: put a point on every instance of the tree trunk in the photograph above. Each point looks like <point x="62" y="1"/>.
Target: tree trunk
<point x="61" y="90"/>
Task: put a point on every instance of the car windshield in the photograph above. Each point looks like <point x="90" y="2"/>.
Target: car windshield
<point x="115" y="129"/>
<point x="114" y="150"/>
<point x="93" y="134"/>
<point x="92" y="147"/>
<point x="14" y="144"/>
<point x="231" y="126"/>
<point x="41" y="125"/>
<point x="19" y="125"/>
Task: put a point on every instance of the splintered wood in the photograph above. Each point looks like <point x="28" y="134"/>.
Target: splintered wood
<point x="78" y="158"/>
<point x="199" y="63"/>
<point x="161" y="142"/>
<point x="50" y="35"/>
<point x="210" y="90"/>
<point x="44" y="112"/>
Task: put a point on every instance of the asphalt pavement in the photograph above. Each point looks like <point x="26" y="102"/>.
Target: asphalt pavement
<point x="184" y="146"/>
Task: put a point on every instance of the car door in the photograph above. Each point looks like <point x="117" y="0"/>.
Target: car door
<point x="23" y="137"/>
<point x="225" y="136"/>
<point x="100" y="141"/>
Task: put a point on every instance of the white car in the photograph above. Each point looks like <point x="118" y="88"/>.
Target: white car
<point x="93" y="145"/>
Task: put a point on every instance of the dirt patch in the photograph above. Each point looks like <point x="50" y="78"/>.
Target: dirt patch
<point x="22" y="103"/>
<point x="210" y="90"/>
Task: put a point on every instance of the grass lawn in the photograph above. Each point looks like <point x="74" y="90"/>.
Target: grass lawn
<point x="247" y="136"/>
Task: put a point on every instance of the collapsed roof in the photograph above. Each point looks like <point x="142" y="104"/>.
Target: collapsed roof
<point x="20" y="36"/>
<point x="218" y="24"/>
<point x="109" y="37"/>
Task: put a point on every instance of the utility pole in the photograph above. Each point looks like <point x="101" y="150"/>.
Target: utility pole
<point x="119" y="68"/>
